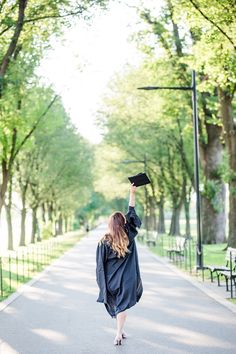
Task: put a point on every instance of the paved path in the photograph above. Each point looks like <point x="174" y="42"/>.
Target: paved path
<point x="59" y="314"/>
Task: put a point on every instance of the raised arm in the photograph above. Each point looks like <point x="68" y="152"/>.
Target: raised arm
<point x="132" y="195"/>
<point x="132" y="219"/>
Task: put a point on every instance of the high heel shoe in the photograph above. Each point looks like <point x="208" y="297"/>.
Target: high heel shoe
<point x="118" y="340"/>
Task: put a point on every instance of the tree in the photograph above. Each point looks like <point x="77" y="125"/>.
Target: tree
<point x="25" y="28"/>
<point x="214" y="52"/>
<point x="20" y="18"/>
<point x="13" y="137"/>
<point x="168" y="30"/>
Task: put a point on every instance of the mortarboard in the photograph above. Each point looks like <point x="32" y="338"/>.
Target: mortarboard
<point x="139" y="180"/>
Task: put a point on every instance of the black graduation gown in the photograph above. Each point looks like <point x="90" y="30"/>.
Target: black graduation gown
<point x="119" y="281"/>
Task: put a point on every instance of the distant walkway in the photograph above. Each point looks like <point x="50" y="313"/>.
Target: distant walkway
<point x="58" y="314"/>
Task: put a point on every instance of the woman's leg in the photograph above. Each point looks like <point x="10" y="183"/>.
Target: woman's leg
<point x="120" y="318"/>
<point x="120" y="321"/>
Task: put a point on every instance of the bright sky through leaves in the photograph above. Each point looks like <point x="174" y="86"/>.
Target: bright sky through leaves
<point x="81" y="65"/>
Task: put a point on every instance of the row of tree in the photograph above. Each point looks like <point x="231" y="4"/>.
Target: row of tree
<point x="42" y="157"/>
<point x="51" y="167"/>
<point x="159" y="124"/>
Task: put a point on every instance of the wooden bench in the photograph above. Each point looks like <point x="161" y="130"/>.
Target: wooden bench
<point x="178" y="247"/>
<point x="230" y="275"/>
<point x="218" y="270"/>
<point x="151" y="239"/>
<point x="150" y="243"/>
<point x="141" y="235"/>
<point x="141" y="238"/>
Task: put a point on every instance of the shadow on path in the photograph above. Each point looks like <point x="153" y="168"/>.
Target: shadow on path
<point x="59" y="313"/>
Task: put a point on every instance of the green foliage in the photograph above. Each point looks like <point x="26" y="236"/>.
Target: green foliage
<point x="47" y="231"/>
<point x="60" y="159"/>
<point x="214" y="49"/>
<point x="50" y="162"/>
<point x="139" y="123"/>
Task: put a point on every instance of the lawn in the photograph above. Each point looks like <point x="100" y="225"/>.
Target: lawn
<point x="233" y="301"/>
<point x="214" y="254"/>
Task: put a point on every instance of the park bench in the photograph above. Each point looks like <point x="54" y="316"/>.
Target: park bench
<point x="218" y="270"/>
<point x="230" y="275"/>
<point x="141" y="235"/>
<point x="178" y="248"/>
<point x="151" y="239"/>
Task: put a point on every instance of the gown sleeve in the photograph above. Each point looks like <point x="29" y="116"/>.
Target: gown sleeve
<point x="100" y="272"/>
<point x="133" y="222"/>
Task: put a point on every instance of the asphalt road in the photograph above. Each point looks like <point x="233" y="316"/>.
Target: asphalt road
<point x="59" y="314"/>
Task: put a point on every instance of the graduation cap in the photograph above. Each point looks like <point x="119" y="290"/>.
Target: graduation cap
<point x="139" y="180"/>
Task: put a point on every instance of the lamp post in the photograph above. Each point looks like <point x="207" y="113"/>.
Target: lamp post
<point x="193" y="88"/>
<point x="144" y="161"/>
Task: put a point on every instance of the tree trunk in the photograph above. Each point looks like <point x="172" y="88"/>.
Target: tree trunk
<point x="8" y="206"/>
<point x="177" y="202"/>
<point x="34" y="224"/>
<point x="56" y="227"/>
<point x="187" y="215"/>
<point x="176" y="36"/>
<point x="3" y="186"/>
<point x="9" y="226"/>
<point x="43" y="213"/>
<point x="23" y="216"/>
<point x="7" y="164"/>
<point x="214" y="232"/>
<point x="175" y="218"/>
<point x="213" y="197"/>
<point x="66" y="223"/>
<point x="22" y="226"/>
<point x="213" y="216"/>
<point x="50" y="211"/>
<point x="15" y="37"/>
<point x="39" y="239"/>
<point x="152" y="214"/>
<point x="70" y="223"/>
<point x="60" y="225"/>
<point x="161" y="229"/>
<point x="226" y="111"/>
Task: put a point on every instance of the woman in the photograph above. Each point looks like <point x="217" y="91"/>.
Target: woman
<point x="117" y="271"/>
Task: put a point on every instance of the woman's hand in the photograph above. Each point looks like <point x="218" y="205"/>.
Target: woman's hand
<point x="133" y="188"/>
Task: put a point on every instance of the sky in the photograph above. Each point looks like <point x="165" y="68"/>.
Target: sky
<point x="84" y="61"/>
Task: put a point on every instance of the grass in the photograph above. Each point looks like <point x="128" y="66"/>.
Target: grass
<point x="233" y="301"/>
<point x="18" y="267"/>
<point x="212" y="254"/>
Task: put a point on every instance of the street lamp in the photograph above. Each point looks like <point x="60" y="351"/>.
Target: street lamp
<point x="144" y="161"/>
<point x="193" y="88"/>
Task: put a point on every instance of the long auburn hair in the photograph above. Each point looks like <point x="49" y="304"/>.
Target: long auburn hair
<point x="116" y="236"/>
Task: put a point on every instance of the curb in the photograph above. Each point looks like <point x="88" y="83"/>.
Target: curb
<point x="194" y="282"/>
